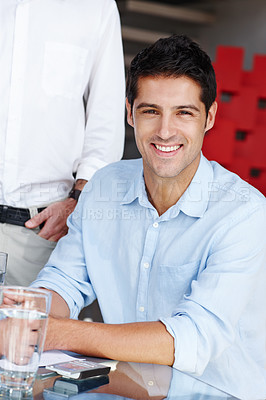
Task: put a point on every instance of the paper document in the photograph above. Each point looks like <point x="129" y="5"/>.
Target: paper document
<point x="56" y="356"/>
<point x="53" y="357"/>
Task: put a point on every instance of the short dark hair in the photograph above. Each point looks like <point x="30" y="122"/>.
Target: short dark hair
<point x="174" y="56"/>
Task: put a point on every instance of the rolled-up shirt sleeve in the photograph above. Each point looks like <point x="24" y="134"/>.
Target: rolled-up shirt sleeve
<point x="203" y="325"/>
<point x="66" y="272"/>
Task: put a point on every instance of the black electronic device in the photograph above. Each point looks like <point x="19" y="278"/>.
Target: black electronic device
<point x="65" y="388"/>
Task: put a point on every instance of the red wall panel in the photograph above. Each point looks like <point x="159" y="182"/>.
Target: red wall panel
<point x="238" y="139"/>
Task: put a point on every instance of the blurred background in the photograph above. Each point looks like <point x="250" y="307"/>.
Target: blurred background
<point x="233" y="33"/>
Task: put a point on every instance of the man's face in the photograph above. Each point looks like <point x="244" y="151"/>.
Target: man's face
<point x="170" y="121"/>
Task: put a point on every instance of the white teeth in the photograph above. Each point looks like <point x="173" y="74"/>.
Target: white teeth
<point x="167" y="149"/>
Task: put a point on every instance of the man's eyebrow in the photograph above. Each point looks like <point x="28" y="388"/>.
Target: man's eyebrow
<point x="181" y="107"/>
<point x="190" y="106"/>
<point x="143" y="105"/>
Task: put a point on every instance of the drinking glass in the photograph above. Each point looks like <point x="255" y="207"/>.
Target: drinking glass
<point x="3" y="264"/>
<point x="23" y="321"/>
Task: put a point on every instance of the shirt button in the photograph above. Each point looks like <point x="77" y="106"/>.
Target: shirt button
<point x="155" y="225"/>
<point x="150" y="383"/>
<point x="141" y="309"/>
<point x="146" y="265"/>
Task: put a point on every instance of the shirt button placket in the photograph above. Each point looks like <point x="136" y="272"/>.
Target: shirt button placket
<point x="145" y="270"/>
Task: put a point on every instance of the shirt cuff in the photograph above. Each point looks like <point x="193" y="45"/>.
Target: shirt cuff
<point x="86" y="170"/>
<point x="73" y="308"/>
<point x="185" y="338"/>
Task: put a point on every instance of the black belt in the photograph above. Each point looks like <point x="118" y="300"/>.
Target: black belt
<point x="14" y="215"/>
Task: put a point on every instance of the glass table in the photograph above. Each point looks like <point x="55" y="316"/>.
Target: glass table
<point x="128" y="381"/>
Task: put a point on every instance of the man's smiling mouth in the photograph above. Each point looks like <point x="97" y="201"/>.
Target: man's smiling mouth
<point x="167" y="149"/>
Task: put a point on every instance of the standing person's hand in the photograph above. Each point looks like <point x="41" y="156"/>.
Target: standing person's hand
<point x="55" y="216"/>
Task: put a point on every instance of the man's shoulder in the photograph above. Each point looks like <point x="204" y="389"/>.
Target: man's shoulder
<point x="231" y="186"/>
<point x="124" y="169"/>
<point x="112" y="182"/>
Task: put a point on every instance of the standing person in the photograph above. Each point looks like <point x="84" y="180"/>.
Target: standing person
<point x="180" y="276"/>
<point x="62" y="113"/>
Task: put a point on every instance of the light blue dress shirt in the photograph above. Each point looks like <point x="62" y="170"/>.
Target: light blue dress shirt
<point x="200" y="268"/>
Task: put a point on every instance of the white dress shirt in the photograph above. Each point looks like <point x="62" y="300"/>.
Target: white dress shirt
<point x="62" y="96"/>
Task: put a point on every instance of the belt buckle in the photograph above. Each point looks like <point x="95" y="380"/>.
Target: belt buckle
<point x="3" y="213"/>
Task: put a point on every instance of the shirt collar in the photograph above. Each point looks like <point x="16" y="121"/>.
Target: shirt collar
<point x="137" y="189"/>
<point x="195" y="199"/>
<point x="193" y="202"/>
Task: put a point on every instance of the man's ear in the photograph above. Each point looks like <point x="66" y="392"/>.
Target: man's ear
<point x="211" y="116"/>
<point x="129" y="114"/>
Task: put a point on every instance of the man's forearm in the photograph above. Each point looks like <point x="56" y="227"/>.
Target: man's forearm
<point x="147" y="342"/>
<point x="77" y="189"/>
<point x="80" y="183"/>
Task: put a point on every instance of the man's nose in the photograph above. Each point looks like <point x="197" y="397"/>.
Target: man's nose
<point x="167" y="127"/>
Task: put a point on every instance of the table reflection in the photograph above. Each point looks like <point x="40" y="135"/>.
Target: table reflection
<point x="135" y="381"/>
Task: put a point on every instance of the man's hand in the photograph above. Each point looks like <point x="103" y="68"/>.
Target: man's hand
<point x="18" y="338"/>
<point x="55" y="217"/>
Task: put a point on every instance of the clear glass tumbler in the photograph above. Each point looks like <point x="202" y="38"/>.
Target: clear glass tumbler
<point x="23" y="321"/>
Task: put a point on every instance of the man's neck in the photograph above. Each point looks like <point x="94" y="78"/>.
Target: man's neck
<point x="163" y="193"/>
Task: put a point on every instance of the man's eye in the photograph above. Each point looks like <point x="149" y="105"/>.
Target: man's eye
<point x="184" y="112"/>
<point x="150" y="112"/>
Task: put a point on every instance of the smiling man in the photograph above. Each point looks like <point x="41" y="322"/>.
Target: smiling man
<point x="172" y="245"/>
<point x="170" y="121"/>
